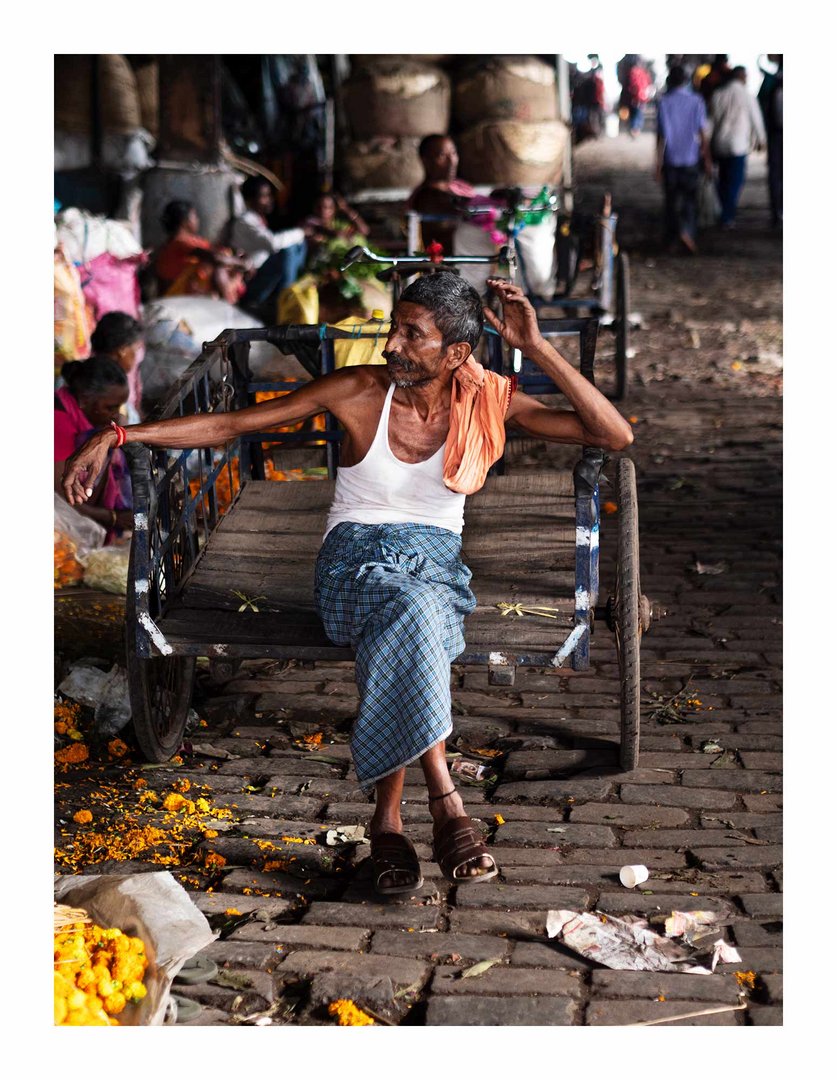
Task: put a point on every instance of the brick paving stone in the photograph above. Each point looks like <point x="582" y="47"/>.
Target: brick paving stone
<point x="765" y="1016"/>
<point x="375" y="993"/>
<point x="548" y="954"/>
<point x="208" y="1018"/>
<point x="732" y="779"/>
<point x="265" y="907"/>
<point x="520" y="897"/>
<point x="634" y="901"/>
<point x="645" y="776"/>
<point x="714" y="882"/>
<point x="555" y="790"/>
<point x="772" y="988"/>
<point x="254" y="766"/>
<point x="282" y="806"/>
<point x="501" y="979"/>
<point x="717" y="858"/>
<point x="772" y="834"/>
<point x="522" y="812"/>
<point x="503" y="923"/>
<point x="763" y="905"/>
<point x="757" y="934"/>
<point x="353" y="938"/>
<point x="614" y="814"/>
<point x="446" y="1010"/>
<point x="756" y="958"/>
<point x="242" y="1001"/>
<point x="677" y="838"/>
<point x="744" y="740"/>
<point x="523" y="763"/>
<point x="286" y="767"/>
<point x="535" y="832"/>
<point x="603" y="1012"/>
<point x="763" y="803"/>
<point x="287" y="886"/>
<point x="243" y="954"/>
<point x="470" y="948"/>
<point x="650" y="984"/>
<point x="335" y="790"/>
<point x="560" y="874"/>
<point x="754" y="759"/>
<point x="402" y="971"/>
<point x="373" y="916"/>
<point x="739" y="819"/>
<point x="672" y="795"/>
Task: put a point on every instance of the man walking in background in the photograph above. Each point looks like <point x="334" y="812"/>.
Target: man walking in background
<point x="681" y="147"/>
<point x="737" y="128"/>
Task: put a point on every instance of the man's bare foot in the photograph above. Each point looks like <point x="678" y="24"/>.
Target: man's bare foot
<point x="444" y="810"/>
<point x="688" y="243"/>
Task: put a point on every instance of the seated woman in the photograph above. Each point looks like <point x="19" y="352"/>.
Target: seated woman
<point x="189" y="265"/>
<point x="119" y="337"/>
<point x="332" y="218"/>
<point x="94" y="391"/>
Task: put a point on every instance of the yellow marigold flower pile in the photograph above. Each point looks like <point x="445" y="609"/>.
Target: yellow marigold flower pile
<point x="82" y="817"/>
<point x="348" y="1014"/>
<point x="72" y="755"/>
<point x="97" y="973"/>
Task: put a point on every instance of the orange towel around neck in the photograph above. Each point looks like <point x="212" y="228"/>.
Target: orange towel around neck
<point x="478" y="404"/>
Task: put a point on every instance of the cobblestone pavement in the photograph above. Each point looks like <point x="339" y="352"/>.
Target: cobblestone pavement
<point x="702" y="811"/>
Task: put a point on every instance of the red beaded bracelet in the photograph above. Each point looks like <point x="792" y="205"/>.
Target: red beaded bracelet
<point x="121" y="434"/>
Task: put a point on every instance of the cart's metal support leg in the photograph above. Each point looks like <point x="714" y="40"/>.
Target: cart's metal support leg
<point x="586" y="483"/>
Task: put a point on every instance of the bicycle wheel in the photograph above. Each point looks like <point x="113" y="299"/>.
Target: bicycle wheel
<point x="622" y="325"/>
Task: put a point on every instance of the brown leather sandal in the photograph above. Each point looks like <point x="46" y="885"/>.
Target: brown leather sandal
<point x="391" y="852"/>
<point x="456" y="843"/>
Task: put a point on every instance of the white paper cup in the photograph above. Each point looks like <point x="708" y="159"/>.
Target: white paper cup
<point x="631" y="876"/>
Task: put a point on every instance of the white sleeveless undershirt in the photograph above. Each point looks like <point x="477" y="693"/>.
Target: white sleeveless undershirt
<point x="382" y="489"/>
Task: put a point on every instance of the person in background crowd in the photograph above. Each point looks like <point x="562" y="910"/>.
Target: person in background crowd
<point x="332" y="218"/>
<point x="189" y="265"/>
<point x="681" y="145"/>
<point x="737" y="128"/>
<point x="119" y="337"/>
<point x="718" y="76"/>
<point x="93" y="393"/>
<point x="278" y="257"/>
<point x="588" y="102"/>
<point x="440" y="192"/>
<point x="636" y="94"/>
<point x="770" y="101"/>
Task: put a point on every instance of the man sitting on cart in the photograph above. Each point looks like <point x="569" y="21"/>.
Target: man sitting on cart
<point x="418" y="435"/>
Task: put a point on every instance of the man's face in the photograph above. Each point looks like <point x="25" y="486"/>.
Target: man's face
<point x="441" y="160"/>
<point x="262" y="201"/>
<point x="414" y="352"/>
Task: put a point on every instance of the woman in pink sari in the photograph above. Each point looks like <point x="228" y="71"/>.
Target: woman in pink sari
<point x="94" y="392"/>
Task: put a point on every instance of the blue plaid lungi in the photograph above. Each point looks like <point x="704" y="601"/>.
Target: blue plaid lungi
<point x="398" y="594"/>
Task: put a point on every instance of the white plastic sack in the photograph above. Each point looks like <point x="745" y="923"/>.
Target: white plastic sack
<point x="153" y="907"/>
<point x="127" y="153"/>
<point x="86" y="236"/>
<point x="536" y="244"/>
<point x="106" y="692"/>
<point x="472" y="240"/>
<point x="107" y="569"/>
<point x="709" y="205"/>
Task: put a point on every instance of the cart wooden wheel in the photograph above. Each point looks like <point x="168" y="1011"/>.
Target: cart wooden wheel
<point x="629" y="612"/>
<point x="161" y="695"/>
<point x="622" y="325"/>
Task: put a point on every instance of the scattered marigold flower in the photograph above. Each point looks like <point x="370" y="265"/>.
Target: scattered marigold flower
<point x="203" y="805"/>
<point x="746" y="978"/>
<point x="83" y="817"/>
<point x="60" y="728"/>
<point x="348" y="1014"/>
<point x="314" y="740"/>
<point x="72" y="755"/>
<point x="661" y="997"/>
<point x="234" y="911"/>
<point x="499" y="819"/>
<point x="181" y="785"/>
<point x="274" y="864"/>
<point x="177" y="760"/>
<point x="694" y="894"/>
<point x="75" y="734"/>
<point x="633" y="419"/>
<point x="202" y="723"/>
<point x="117" y="747"/>
<point x="140" y="783"/>
<point x="210" y="834"/>
<point x="736" y="365"/>
<point x="610" y="507"/>
<point x="213" y="859"/>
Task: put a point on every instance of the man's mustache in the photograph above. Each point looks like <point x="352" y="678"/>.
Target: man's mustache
<point x="394" y="358"/>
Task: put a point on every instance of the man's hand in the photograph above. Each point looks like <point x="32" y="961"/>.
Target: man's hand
<point x="519" y="325"/>
<point x="85" y="466"/>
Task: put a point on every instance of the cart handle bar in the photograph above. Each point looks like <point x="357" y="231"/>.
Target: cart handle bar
<point x="357" y="254"/>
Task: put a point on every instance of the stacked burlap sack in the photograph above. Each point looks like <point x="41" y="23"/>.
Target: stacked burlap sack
<point x="391" y="103"/>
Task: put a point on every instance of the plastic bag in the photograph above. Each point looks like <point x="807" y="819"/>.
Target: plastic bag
<point x="150" y="906"/>
<point x="106" y="692"/>
<point x="107" y="569"/>
<point x="73" y="324"/>
<point x="300" y="302"/>
<point x="709" y="205"/>
<point x="74" y="537"/>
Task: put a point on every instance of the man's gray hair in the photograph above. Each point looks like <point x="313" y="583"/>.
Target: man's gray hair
<point x="454" y="304"/>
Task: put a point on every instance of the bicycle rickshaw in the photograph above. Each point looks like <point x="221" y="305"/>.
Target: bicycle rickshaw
<point x="236" y="583"/>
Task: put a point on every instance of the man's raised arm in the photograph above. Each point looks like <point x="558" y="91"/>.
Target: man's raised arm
<point x="594" y="421"/>
<point x="206" y="429"/>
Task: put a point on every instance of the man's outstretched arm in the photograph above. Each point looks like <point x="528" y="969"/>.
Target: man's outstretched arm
<point x="593" y="421"/>
<point x="209" y="429"/>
